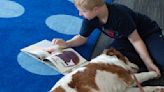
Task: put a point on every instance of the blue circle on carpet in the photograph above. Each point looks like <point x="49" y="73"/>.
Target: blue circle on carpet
<point x="34" y="65"/>
<point x="64" y="24"/>
<point x="10" y="9"/>
<point x="72" y="1"/>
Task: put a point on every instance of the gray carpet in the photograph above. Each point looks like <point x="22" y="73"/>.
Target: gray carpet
<point x="152" y="8"/>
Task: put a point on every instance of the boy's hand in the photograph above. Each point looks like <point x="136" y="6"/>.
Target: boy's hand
<point x="153" y="67"/>
<point x="59" y="42"/>
<point x="55" y="48"/>
<point x="49" y="49"/>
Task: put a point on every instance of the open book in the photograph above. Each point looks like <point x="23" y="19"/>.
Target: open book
<point x="62" y="60"/>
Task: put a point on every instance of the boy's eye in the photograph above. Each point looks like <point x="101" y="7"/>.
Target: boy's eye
<point x="82" y="11"/>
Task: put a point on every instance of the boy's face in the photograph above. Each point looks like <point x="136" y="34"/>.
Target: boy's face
<point x="88" y="14"/>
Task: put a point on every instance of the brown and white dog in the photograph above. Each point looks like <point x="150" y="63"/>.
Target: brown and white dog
<point x="108" y="72"/>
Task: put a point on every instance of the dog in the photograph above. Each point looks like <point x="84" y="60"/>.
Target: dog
<point x="108" y="72"/>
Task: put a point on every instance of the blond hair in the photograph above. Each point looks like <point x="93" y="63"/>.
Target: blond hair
<point x="88" y="4"/>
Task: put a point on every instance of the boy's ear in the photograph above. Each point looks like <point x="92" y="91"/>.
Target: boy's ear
<point x="96" y="9"/>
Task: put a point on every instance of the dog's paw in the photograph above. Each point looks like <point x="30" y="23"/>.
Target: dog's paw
<point x="154" y="89"/>
<point x="159" y="89"/>
<point x="154" y="74"/>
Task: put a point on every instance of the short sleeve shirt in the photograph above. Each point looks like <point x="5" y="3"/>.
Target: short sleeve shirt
<point x="122" y="21"/>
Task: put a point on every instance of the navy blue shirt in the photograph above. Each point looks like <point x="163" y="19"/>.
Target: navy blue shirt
<point x="121" y="22"/>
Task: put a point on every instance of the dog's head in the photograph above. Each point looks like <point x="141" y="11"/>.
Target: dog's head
<point x="124" y="60"/>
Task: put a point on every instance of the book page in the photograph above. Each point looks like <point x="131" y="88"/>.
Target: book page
<point x="67" y="60"/>
<point x="37" y="49"/>
<point x="64" y="60"/>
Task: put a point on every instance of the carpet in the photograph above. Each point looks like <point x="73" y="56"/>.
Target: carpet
<point x="25" y="22"/>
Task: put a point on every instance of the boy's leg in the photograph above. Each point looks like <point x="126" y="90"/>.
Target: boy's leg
<point x="155" y="46"/>
<point x="125" y="47"/>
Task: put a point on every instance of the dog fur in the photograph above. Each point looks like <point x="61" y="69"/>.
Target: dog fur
<point x="108" y="72"/>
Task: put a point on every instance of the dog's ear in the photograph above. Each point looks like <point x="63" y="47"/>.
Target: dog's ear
<point x="110" y="51"/>
<point x="126" y="59"/>
<point x="114" y="52"/>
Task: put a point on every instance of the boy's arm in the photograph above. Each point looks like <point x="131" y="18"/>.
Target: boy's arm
<point x="140" y="47"/>
<point x="76" y="41"/>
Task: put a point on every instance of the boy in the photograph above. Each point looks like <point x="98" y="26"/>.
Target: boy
<point x="136" y="36"/>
